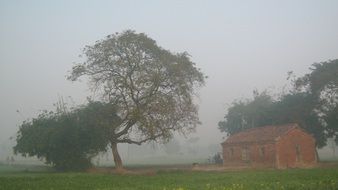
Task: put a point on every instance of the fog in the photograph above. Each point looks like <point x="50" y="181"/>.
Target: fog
<point x="239" y="45"/>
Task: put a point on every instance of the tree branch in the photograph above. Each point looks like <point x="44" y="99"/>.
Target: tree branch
<point x="129" y="141"/>
<point x="126" y="129"/>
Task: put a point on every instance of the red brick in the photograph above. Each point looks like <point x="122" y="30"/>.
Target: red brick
<point x="275" y="147"/>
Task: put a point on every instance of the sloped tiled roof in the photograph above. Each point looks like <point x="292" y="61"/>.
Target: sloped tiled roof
<point x="260" y="134"/>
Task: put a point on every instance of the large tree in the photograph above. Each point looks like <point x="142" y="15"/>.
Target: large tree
<point x="322" y="84"/>
<point x="153" y="88"/>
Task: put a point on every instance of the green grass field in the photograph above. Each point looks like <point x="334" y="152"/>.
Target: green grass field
<point x="38" y="179"/>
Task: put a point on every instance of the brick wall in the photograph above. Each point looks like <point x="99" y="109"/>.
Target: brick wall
<point x="296" y="149"/>
<point x="254" y="154"/>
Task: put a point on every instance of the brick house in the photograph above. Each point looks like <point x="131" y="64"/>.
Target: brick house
<point x="283" y="146"/>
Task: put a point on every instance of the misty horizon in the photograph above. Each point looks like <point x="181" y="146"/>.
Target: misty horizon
<point x="240" y="46"/>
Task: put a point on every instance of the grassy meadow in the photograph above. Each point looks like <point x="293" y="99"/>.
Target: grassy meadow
<point x="37" y="178"/>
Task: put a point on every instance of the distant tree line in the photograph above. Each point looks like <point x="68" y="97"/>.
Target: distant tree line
<point x="312" y="103"/>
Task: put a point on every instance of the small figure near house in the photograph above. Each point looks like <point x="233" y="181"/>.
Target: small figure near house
<point x="216" y="159"/>
<point x="283" y="146"/>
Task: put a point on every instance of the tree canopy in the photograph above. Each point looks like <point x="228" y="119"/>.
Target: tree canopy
<point x="152" y="88"/>
<point x="263" y="110"/>
<point x="322" y="84"/>
<point x="313" y="104"/>
<point x="247" y="114"/>
<point x="67" y="139"/>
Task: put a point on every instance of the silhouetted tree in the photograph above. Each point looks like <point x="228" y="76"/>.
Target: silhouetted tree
<point x="152" y="87"/>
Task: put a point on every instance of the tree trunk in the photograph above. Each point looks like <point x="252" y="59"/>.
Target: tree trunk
<point x="116" y="156"/>
<point x="317" y="156"/>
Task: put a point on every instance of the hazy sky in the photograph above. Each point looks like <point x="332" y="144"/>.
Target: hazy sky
<point x="240" y="45"/>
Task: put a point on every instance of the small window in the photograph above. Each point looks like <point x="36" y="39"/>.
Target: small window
<point x="231" y="152"/>
<point x="245" y="154"/>
<point x="262" y="152"/>
<point x="298" y="151"/>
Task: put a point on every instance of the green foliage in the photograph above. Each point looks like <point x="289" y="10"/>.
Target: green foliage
<point x="309" y="179"/>
<point x="67" y="139"/>
<point x="244" y="115"/>
<point x="263" y="110"/>
<point x="299" y="108"/>
<point x="313" y="104"/>
<point x="322" y="84"/>
<point x="324" y="75"/>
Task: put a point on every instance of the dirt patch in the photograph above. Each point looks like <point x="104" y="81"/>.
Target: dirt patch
<point x="146" y="172"/>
